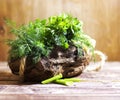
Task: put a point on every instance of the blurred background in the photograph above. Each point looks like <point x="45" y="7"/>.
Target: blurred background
<point x="101" y="20"/>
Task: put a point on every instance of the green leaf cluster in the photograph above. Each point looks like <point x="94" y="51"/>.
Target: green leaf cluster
<point x="37" y="38"/>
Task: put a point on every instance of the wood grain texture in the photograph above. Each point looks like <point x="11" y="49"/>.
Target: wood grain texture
<point x="101" y="19"/>
<point x="104" y="84"/>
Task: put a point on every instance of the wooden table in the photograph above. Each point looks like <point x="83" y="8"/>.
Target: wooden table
<point x="104" y="84"/>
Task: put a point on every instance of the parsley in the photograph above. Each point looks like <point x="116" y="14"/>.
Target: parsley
<point x="37" y="38"/>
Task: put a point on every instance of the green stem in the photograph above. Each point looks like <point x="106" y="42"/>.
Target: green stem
<point x="52" y="79"/>
<point x="64" y="82"/>
<point x="72" y="79"/>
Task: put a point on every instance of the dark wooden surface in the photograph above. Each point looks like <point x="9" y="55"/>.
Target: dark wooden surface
<point x="104" y="84"/>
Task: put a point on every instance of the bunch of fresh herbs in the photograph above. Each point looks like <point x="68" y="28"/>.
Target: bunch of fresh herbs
<point x="37" y="38"/>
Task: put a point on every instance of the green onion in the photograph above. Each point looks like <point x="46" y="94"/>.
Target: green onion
<point x="52" y="79"/>
<point x="72" y="79"/>
<point x="63" y="82"/>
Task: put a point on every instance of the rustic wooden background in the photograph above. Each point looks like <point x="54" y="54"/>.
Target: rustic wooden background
<point x="101" y="19"/>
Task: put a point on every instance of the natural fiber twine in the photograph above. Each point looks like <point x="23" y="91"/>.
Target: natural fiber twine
<point x="22" y="68"/>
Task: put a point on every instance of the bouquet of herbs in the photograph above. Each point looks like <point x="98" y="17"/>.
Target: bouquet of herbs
<point x="37" y="42"/>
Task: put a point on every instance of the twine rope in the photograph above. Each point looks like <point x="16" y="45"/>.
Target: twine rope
<point x="22" y="66"/>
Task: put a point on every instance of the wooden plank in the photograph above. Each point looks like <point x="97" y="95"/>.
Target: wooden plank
<point x="5" y="73"/>
<point x="104" y="84"/>
<point x="55" y="97"/>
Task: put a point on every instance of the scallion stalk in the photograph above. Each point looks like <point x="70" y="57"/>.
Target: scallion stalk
<point x="52" y="79"/>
